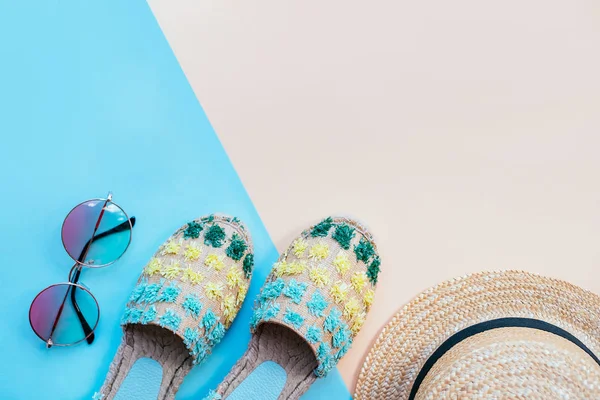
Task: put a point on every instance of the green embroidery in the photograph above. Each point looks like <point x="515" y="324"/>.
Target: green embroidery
<point x="236" y="248"/>
<point x="193" y="230"/>
<point x="364" y="250"/>
<point x="214" y="236"/>
<point x="322" y="228"/>
<point x="373" y="270"/>
<point x="248" y="264"/>
<point x="343" y="235"/>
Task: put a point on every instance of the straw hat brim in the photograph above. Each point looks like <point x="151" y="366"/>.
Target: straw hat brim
<point x="423" y="325"/>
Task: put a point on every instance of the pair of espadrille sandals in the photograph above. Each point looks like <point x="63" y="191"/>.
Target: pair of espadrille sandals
<point x="310" y="308"/>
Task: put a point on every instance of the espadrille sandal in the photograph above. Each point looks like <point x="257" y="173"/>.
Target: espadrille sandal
<point x="312" y="305"/>
<point x="186" y="298"/>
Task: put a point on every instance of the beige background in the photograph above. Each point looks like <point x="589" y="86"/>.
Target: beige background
<point x="465" y="133"/>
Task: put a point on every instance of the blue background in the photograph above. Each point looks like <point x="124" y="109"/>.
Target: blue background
<point x="92" y="99"/>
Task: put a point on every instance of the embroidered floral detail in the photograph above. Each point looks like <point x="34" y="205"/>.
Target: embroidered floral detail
<point x="214" y="236"/>
<point x="151" y="292"/>
<point x="358" y="322"/>
<point x="368" y="298"/>
<point x="340" y="336"/>
<point x="193" y="230"/>
<point x="216" y="334"/>
<point x="214" y="261"/>
<point x="209" y="219"/>
<point x="322" y="228"/>
<point x="233" y="277"/>
<point x="265" y="312"/>
<point x="341" y="263"/>
<point x="212" y="395"/>
<point x="138" y="291"/>
<point x="317" y="304"/>
<point x="272" y="290"/>
<point x="296" y="267"/>
<point x="190" y="336"/>
<point x="351" y="308"/>
<point x="171" y="247"/>
<point x="171" y="271"/>
<point x="228" y="306"/>
<point x="313" y="334"/>
<point x="373" y="270"/>
<point x="190" y="275"/>
<point x="293" y="318"/>
<point x="192" y="305"/>
<point x="248" y="264"/>
<point x="209" y="319"/>
<point x="200" y="351"/>
<point x="241" y="294"/>
<point x="213" y="290"/>
<point x="319" y="276"/>
<point x="295" y="290"/>
<point x="319" y="251"/>
<point x="133" y="315"/>
<point x="332" y="321"/>
<point x="153" y="267"/>
<point x="170" y="293"/>
<point x="170" y="320"/>
<point x="192" y="252"/>
<point x="280" y="268"/>
<point x="339" y="291"/>
<point x="358" y="280"/>
<point x="236" y="248"/>
<point x="343" y="234"/>
<point x="342" y="352"/>
<point x="324" y="360"/>
<point x="364" y="250"/>
<point x="299" y="247"/>
<point x="149" y="315"/>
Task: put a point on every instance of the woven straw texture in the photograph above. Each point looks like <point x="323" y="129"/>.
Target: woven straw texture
<point x="413" y="334"/>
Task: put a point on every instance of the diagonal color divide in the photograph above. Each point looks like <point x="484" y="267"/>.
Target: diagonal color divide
<point x="92" y="99"/>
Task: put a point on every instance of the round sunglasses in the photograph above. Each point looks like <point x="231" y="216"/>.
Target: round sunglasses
<point x="95" y="234"/>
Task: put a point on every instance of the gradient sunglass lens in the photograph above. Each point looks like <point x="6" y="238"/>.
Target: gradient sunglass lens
<point x="112" y="237"/>
<point x="58" y="313"/>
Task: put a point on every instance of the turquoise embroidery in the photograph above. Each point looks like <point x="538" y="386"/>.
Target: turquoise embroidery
<point x="324" y="360"/>
<point x="200" y="351"/>
<point x="271" y="312"/>
<point x="322" y="228"/>
<point x="317" y="304"/>
<point x="190" y="336"/>
<point x="341" y="336"/>
<point x="341" y="352"/>
<point x="209" y="319"/>
<point x="151" y="292"/>
<point x="170" y="320"/>
<point x="170" y="293"/>
<point x="126" y="314"/>
<point x="265" y="312"/>
<point x="364" y="250"/>
<point x="193" y="230"/>
<point x="212" y="395"/>
<point x="293" y="318"/>
<point x="216" y="334"/>
<point x="272" y="290"/>
<point x="135" y="316"/>
<point x="248" y="264"/>
<point x="313" y="334"/>
<point x="149" y="315"/>
<point x="138" y="291"/>
<point x="210" y="218"/>
<point x="332" y="321"/>
<point x="192" y="305"/>
<point x="236" y="248"/>
<point x="295" y="290"/>
<point x="214" y="236"/>
<point x="373" y="270"/>
<point x="343" y="234"/>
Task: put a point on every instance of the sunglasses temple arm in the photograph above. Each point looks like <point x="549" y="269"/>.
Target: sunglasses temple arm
<point x="119" y="228"/>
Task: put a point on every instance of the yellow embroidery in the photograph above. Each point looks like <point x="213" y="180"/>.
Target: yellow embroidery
<point x="192" y="252"/>
<point x="358" y="322"/>
<point x="241" y="294"/>
<point x="194" y="277"/>
<point x="368" y="298"/>
<point x="319" y="251"/>
<point x="171" y="271"/>
<point x="351" y="308"/>
<point x="153" y="267"/>
<point x="300" y="247"/>
<point x="214" y="261"/>
<point x="359" y="280"/>
<point x="341" y="263"/>
<point x="234" y="277"/>
<point x="320" y="276"/>
<point x="280" y="268"/>
<point x="339" y="291"/>
<point x="296" y="267"/>
<point x="228" y="306"/>
<point x="171" y="247"/>
<point x="213" y="290"/>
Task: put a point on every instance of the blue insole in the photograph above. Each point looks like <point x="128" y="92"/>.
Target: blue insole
<point x="142" y="381"/>
<point x="265" y="383"/>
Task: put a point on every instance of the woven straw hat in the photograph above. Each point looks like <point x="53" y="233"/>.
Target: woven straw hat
<point x="491" y="335"/>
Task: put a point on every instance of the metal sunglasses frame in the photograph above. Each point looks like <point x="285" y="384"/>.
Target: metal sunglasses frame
<point x="75" y="273"/>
